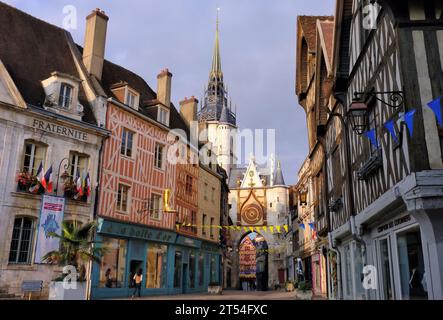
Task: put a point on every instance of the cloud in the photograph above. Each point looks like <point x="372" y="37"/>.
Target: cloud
<point x="257" y="47"/>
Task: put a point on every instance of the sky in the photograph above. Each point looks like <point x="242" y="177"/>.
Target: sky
<point x="257" y="40"/>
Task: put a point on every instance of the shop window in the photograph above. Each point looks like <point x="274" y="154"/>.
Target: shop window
<point x="113" y="263"/>
<point x="385" y="260"/>
<point x="78" y="164"/>
<point x="192" y="270"/>
<point x="127" y="143"/>
<point x="156" y="266"/>
<point x="34" y="156"/>
<point x="411" y="265"/>
<point x="177" y="269"/>
<point x="155" y="207"/>
<point x="158" y="160"/>
<point x="213" y="270"/>
<point x="21" y="242"/>
<point x="122" y="198"/>
<point x="201" y="270"/>
<point x="358" y="269"/>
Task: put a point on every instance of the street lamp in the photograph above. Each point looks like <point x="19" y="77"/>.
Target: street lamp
<point x="64" y="175"/>
<point x="358" y="116"/>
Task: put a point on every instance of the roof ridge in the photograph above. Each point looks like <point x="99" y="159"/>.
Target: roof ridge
<point x="32" y="17"/>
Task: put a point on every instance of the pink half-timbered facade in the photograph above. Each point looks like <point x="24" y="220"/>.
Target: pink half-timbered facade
<point x="137" y="171"/>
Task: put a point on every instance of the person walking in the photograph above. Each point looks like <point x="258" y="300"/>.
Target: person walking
<point x="138" y="278"/>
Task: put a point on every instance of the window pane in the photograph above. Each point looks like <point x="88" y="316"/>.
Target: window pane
<point x="192" y="270"/>
<point x="156" y="266"/>
<point x="177" y="269"/>
<point x="20" y="250"/>
<point x="123" y="147"/>
<point x="201" y="270"/>
<point x="113" y="263"/>
<point x="129" y="144"/>
<point x="411" y="264"/>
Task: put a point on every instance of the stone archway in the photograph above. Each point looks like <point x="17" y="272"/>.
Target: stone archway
<point x="253" y="262"/>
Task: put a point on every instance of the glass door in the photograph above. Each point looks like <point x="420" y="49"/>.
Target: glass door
<point x="385" y="274"/>
<point x="411" y="265"/>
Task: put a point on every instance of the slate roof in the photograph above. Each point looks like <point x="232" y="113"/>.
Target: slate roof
<point x="31" y="49"/>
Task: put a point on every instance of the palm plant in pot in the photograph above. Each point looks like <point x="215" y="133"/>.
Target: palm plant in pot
<point x="76" y="251"/>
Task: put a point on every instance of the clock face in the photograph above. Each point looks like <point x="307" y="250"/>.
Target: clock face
<point x="252" y="214"/>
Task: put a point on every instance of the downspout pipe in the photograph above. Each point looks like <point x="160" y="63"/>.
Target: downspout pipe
<point x="333" y="248"/>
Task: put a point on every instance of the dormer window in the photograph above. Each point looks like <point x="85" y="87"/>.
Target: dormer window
<point x="163" y="115"/>
<point x="65" y="97"/>
<point x="62" y="95"/>
<point x="131" y="99"/>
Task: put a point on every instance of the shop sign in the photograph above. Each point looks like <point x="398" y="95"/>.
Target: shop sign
<point x="394" y="223"/>
<point x="129" y="231"/>
<point x="188" y="242"/>
<point x="210" y="247"/>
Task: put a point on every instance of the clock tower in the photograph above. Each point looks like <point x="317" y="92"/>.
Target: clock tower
<point x="216" y="117"/>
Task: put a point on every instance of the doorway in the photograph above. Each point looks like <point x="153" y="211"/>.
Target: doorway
<point x="253" y="256"/>
<point x="134" y="267"/>
<point x="384" y="260"/>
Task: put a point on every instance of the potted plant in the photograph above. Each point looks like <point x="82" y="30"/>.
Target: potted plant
<point x="76" y="251"/>
<point x="24" y="180"/>
<point x="69" y="188"/>
<point x="215" y="288"/>
<point x="304" y="290"/>
<point x="289" y="286"/>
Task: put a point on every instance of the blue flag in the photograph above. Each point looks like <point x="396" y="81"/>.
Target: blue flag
<point x="372" y="137"/>
<point x="409" y="119"/>
<point x="312" y="226"/>
<point x="436" y="107"/>
<point x="390" y="126"/>
<point x="302" y="225"/>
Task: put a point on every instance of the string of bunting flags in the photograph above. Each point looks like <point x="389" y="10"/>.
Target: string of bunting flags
<point x="408" y="119"/>
<point x="271" y="229"/>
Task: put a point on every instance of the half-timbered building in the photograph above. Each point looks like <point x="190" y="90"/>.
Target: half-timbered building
<point x="388" y="58"/>
<point x="313" y="86"/>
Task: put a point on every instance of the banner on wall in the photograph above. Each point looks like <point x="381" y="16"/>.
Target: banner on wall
<point x="51" y="219"/>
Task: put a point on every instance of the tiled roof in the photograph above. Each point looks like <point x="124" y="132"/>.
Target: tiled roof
<point x="308" y="26"/>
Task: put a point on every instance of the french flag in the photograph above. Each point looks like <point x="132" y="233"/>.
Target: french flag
<point x="47" y="180"/>
<point x="88" y="185"/>
<point x="79" y="185"/>
<point x="40" y="177"/>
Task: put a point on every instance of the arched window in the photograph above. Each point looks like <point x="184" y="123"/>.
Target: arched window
<point x="21" y="242"/>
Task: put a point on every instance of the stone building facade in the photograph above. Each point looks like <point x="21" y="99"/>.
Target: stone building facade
<point x="51" y="116"/>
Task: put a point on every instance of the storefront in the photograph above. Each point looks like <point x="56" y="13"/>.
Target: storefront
<point x="170" y="263"/>
<point x="397" y="253"/>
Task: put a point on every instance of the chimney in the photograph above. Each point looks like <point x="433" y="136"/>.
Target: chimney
<point x="188" y="110"/>
<point x="164" y="87"/>
<point x="95" y="41"/>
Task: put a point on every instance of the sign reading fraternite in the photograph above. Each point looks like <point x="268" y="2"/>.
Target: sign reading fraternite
<point x="60" y="130"/>
<point x="51" y="219"/>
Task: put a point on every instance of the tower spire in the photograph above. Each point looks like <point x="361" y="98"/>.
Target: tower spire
<point x="216" y="60"/>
